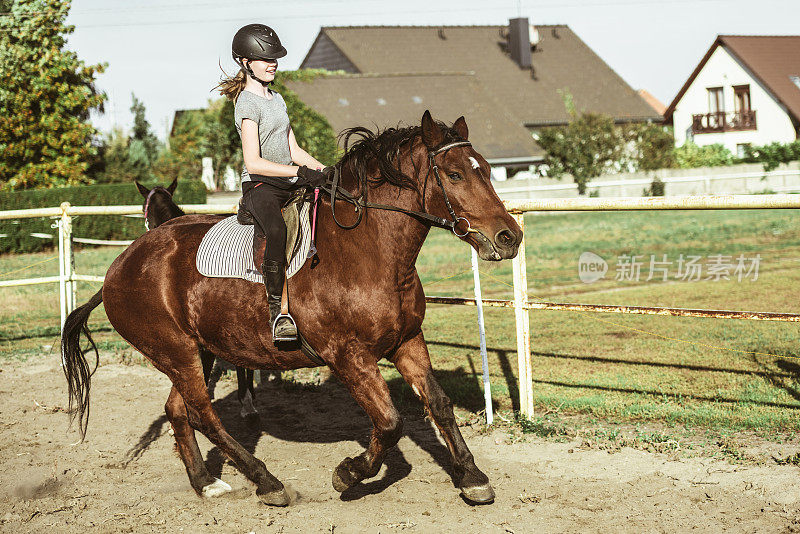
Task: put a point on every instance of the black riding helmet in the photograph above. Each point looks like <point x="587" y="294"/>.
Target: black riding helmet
<point x="256" y="42"/>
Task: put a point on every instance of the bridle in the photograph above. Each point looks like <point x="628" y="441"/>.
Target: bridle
<point x="361" y="204"/>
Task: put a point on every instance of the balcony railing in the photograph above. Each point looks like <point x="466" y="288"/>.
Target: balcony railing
<point x="721" y="121"/>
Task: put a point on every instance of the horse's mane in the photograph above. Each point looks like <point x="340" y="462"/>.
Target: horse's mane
<point x="383" y="147"/>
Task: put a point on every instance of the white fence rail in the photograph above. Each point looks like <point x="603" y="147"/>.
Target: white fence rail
<point x="778" y="181"/>
<point x="67" y="277"/>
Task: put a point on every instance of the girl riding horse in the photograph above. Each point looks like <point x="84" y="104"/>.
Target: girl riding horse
<point x="274" y="164"/>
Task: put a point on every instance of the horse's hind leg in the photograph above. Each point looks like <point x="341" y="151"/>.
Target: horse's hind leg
<point x="414" y="363"/>
<point x="363" y="378"/>
<point x="199" y="477"/>
<point x="188" y="379"/>
<point x="210" y="377"/>
<point x="246" y="393"/>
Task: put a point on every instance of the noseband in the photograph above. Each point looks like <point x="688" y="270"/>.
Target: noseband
<point x="361" y="204"/>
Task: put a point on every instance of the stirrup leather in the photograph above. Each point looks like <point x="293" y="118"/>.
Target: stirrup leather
<point x="284" y="314"/>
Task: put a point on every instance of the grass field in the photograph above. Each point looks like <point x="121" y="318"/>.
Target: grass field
<point x="704" y="374"/>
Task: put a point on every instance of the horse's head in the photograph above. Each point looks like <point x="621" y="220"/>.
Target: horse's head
<point x="158" y="206"/>
<point x="483" y="221"/>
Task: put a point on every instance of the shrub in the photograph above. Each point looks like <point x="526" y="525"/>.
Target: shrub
<point x="656" y="188"/>
<point x="18" y="232"/>
<point x="651" y="146"/>
<point x="773" y="154"/>
<point x="690" y="155"/>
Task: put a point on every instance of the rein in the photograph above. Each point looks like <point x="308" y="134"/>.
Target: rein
<point x="361" y="204"/>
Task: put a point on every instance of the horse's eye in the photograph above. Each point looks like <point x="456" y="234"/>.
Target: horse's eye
<point x="454" y="176"/>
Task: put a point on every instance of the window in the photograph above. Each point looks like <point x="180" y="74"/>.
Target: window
<point x="741" y="98"/>
<point x="715" y="102"/>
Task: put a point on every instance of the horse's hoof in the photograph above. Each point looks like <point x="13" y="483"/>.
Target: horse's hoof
<point x="483" y="494"/>
<point x="248" y="411"/>
<point x="274" y="498"/>
<point x="216" y="488"/>
<point x="343" y="477"/>
<point x="249" y="417"/>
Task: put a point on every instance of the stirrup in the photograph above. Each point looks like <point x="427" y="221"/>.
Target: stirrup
<point x="284" y="339"/>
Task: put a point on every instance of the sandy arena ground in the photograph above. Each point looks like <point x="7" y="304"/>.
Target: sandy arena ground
<point x="126" y="478"/>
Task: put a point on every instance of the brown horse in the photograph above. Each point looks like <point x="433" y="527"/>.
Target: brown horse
<point x="361" y="301"/>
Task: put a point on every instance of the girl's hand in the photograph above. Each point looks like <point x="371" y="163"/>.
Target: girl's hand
<point x="310" y="177"/>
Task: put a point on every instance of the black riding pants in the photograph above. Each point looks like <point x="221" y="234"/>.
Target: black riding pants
<point x="264" y="199"/>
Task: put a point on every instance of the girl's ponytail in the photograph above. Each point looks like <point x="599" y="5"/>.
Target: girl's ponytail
<point x="231" y="86"/>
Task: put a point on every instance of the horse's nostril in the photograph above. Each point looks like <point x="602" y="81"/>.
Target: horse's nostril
<point x="505" y="238"/>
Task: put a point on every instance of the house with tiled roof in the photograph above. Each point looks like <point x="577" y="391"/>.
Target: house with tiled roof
<point x="508" y="81"/>
<point x="744" y="91"/>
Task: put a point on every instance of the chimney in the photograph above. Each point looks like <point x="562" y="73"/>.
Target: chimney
<point x="519" y="42"/>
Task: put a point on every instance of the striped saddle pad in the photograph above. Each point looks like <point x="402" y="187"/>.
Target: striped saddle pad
<point x="226" y="250"/>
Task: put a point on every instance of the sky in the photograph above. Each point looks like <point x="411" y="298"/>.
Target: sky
<point x="169" y="53"/>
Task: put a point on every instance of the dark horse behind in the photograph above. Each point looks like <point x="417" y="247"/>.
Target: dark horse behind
<point x="361" y="301"/>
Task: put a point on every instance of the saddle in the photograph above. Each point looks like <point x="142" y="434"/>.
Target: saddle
<point x="231" y="249"/>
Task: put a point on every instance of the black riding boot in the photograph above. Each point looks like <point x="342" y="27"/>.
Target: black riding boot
<point x="274" y="275"/>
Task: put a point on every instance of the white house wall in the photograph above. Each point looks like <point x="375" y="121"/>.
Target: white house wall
<point x="723" y="70"/>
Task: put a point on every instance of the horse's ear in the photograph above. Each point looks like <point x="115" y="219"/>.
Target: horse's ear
<point x="142" y="189"/>
<point x="461" y="127"/>
<point x="431" y="133"/>
<point x="174" y="184"/>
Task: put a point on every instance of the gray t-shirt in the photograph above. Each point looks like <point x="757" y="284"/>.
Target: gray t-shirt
<point x="273" y="126"/>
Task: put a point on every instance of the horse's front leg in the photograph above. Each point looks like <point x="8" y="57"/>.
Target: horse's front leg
<point x="414" y="363"/>
<point x="360" y="373"/>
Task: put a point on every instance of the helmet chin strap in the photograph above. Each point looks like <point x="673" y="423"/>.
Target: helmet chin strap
<point x="252" y="74"/>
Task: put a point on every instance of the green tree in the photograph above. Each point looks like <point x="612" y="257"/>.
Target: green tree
<point x="46" y="94"/>
<point x="187" y="147"/>
<point x="650" y="146"/>
<point x="115" y="164"/>
<point x="124" y="158"/>
<point x="143" y="146"/>
<point x="222" y="139"/>
<point x="311" y="129"/>
<point x="211" y="132"/>
<point x="588" y="146"/>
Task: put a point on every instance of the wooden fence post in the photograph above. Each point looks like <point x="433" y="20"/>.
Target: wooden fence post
<point x="66" y="264"/>
<point x="523" y="328"/>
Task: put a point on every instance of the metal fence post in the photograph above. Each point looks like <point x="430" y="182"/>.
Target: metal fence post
<point x="523" y="327"/>
<point x="487" y="388"/>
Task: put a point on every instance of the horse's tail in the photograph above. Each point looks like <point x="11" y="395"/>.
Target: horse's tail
<point x="73" y="359"/>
